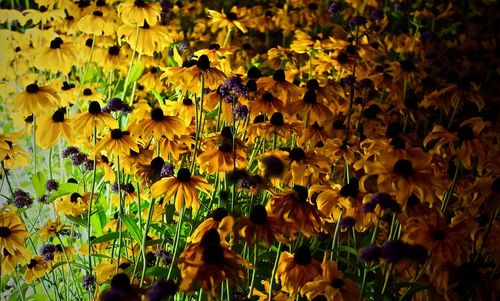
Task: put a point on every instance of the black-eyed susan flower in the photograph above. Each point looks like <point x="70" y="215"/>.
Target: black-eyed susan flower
<point x="310" y="109"/>
<point x="227" y="20"/>
<point x="219" y="219"/>
<point x="332" y="284"/>
<point x="278" y="86"/>
<point x="444" y="242"/>
<point x="117" y="142"/>
<point x="97" y="24"/>
<point x="94" y="118"/>
<point x="137" y="12"/>
<point x="266" y="104"/>
<point x="58" y="57"/>
<point x="12" y="230"/>
<point x="11" y="260"/>
<point x="51" y="229"/>
<point x="12" y="155"/>
<point x="158" y="125"/>
<point x="208" y="263"/>
<point x="295" y="270"/>
<point x="184" y="186"/>
<point x="146" y="40"/>
<point x="73" y="204"/>
<point x="260" y="225"/>
<point x="36" y="99"/>
<point x="36" y="268"/>
<point x="52" y="127"/>
<point x="293" y="205"/>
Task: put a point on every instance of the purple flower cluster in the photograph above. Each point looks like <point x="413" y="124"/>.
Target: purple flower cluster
<point x="161" y="289"/>
<point x="164" y="256"/>
<point x="357" y="21"/>
<point x="47" y="251"/>
<point x="88" y="282"/>
<point x="167" y="170"/>
<point x="335" y="8"/>
<point x="22" y="199"/>
<point x="115" y="105"/>
<point x="51" y="185"/>
<point x="241" y="111"/>
<point x="233" y="88"/>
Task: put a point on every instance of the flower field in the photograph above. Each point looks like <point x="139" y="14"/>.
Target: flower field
<point x="249" y="150"/>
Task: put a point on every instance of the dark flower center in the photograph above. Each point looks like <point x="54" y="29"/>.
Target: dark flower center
<point x="32" y="263"/>
<point x="42" y="9"/>
<point x="225" y="148"/>
<point x="214" y="46"/>
<point x="213" y="254"/>
<point x="254" y="72"/>
<point x="32" y="88"/>
<point x="114" y="50"/>
<point x="251" y="85"/>
<point x="350" y="190"/>
<point x="58" y="115"/>
<point x="157" y="163"/>
<point x="277" y="119"/>
<point x="273" y="166"/>
<point x="117" y="134"/>
<point x="83" y="3"/>
<point x="337" y="283"/>
<point x="338" y="124"/>
<point x="312" y="6"/>
<point x="145" y="25"/>
<point x="94" y="108"/>
<point x="258" y="214"/>
<point x="403" y="167"/>
<point x="297" y="154"/>
<point x="398" y="143"/>
<point x="310" y="97"/>
<point x="74" y="197"/>
<point x="232" y="16"/>
<point x="29" y="119"/>
<point x="312" y="84"/>
<point x="67" y="86"/>
<point x="465" y="133"/>
<point x="342" y="58"/>
<point x="226" y="132"/>
<point x="56" y="43"/>
<point x="279" y="75"/>
<point x="89" y="42"/>
<point x="210" y="238"/>
<point x="267" y="97"/>
<point x="124" y="265"/>
<point x="139" y="3"/>
<point x="187" y="101"/>
<point x="438" y="234"/>
<point x="300" y="193"/>
<point x="303" y="255"/>
<point x="4" y="232"/>
<point x="184" y="175"/>
<point x="203" y="62"/>
<point x="371" y="112"/>
<point x="97" y="13"/>
<point x="87" y="92"/>
<point x="157" y="114"/>
<point x="219" y="213"/>
<point x="496" y="185"/>
<point x="407" y="65"/>
<point x="100" y="3"/>
<point x="120" y="282"/>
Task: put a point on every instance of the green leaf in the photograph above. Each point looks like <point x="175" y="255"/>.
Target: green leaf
<point x="106" y="237"/>
<point x="136" y="72"/>
<point x="37" y="297"/>
<point x="64" y="189"/>
<point x="77" y="220"/>
<point x="132" y="227"/>
<point x="156" y="272"/>
<point x="158" y="96"/>
<point x="39" y="181"/>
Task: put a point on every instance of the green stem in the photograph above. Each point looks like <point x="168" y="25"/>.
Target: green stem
<point x="69" y="266"/>
<point x="176" y="242"/>
<point x="92" y="187"/>
<point x="255" y="251"/>
<point x="6" y="176"/>
<point x="150" y="215"/>
<point x="275" y="267"/>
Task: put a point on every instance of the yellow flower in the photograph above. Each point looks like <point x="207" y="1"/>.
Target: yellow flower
<point x="117" y="142"/>
<point x="51" y="229"/>
<point x="58" y="57"/>
<point x="295" y="270"/>
<point x="52" y="127"/>
<point x="185" y="188"/>
<point x="97" y="24"/>
<point x="85" y="122"/>
<point x="73" y="204"/>
<point x="36" y="100"/>
<point x="226" y="20"/>
<point x="36" y="268"/>
<point x="12" y="230"/>
<point x="137" y="12"/>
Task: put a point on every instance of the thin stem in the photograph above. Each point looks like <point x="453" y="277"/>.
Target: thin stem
<point x="176" y="242"/>
<point x="92" y="187"/>
<point x="275" y="267"/>
<point x="255" y="251"/>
